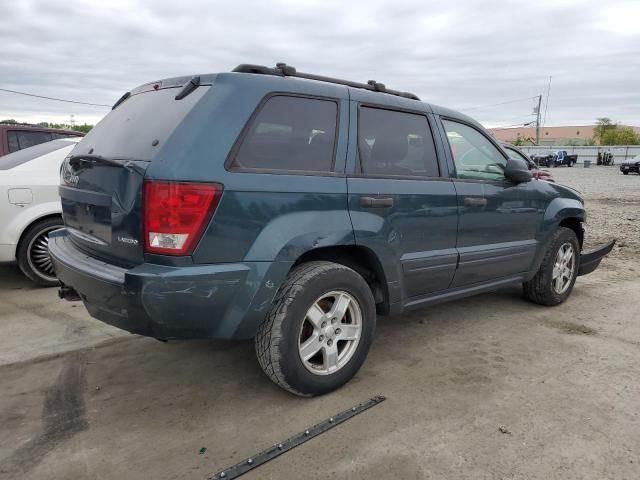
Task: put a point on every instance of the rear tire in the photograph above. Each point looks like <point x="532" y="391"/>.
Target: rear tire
<point x="305" y="316"/>
<point x="33" y="255"/>
<point x="555" y="278"/>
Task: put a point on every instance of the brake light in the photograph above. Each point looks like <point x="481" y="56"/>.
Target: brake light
<point x="176" y="214"/>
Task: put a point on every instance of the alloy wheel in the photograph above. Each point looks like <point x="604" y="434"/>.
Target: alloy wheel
<point x="38" y="254"/>
<point x="330" y="333"/>
<point x="563" y="268"/>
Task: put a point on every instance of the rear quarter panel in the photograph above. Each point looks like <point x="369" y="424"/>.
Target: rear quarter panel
<point x="261" y="216"/>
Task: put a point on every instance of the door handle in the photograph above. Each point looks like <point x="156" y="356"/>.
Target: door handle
<point x="376" y="202"/>
<point x="475" y="202"/>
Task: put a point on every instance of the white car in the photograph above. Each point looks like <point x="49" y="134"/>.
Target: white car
<point x="30" y="206"/>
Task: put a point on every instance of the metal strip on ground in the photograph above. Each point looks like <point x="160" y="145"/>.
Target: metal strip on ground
<point x="291" y="443"/>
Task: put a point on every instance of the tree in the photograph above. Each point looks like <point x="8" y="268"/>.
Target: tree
<point x="519" y="141"/>
<point x="85" y="127"/>
<point x="620" y="136"/>
<point x="602" y="125"/>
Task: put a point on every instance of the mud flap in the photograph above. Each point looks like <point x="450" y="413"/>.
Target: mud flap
<point x="590" y="260"/>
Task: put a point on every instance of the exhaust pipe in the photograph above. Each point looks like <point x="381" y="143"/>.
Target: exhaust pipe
<point x="67" y="293"/>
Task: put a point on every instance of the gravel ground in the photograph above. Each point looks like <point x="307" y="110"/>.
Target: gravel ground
<point x="613" y="205"/>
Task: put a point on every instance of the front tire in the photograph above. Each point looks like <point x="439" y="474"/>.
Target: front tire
<point x="319" y="329"/>
<point x="558" y="271"/>
<point x="33" y="254"/>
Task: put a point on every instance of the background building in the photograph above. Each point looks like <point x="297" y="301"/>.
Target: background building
<point x="569" y="135"/>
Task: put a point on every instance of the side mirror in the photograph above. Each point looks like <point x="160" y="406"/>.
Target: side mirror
<point x="517" y="171"/>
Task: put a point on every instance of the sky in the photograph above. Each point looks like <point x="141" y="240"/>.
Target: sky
<point x="486" y="58"/>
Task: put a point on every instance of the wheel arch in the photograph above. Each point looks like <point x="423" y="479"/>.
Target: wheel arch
<point x="575" y="224"/>
<point x="31" y="224"/>
<point x="360" y="259"/>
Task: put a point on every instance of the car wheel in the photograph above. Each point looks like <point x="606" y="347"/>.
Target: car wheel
<point x="33" y="252"/>
<point x="625" y="173"/>
<point x="558" y="271"/>
<point x="318" y="331"/>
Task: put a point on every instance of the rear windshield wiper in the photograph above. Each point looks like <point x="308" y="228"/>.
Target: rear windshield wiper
<point x="189" y="87"/>
<point x="120" y="100"/>
<point x="77" y="160"/>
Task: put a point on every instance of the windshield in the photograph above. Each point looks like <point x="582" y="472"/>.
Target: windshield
<point x="134" y="127"/>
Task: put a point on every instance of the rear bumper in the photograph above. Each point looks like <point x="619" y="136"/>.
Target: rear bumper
<point x="590" y="260"/>
<point x="196" y="301"/>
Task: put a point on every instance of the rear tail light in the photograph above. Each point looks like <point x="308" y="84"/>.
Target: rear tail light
<point x="176" y="214"/>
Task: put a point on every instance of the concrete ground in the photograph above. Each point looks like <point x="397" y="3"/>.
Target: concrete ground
<point x="490" y="387"/>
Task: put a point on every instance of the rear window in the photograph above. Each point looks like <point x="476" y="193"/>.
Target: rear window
<point x="129" y="130"/>
<point x="292" y="134"/>
<point x="23" y="156"/>
<point x="19" y="139"/>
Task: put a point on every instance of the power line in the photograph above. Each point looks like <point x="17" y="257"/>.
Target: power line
<point x="52" y="98"/>
<point x="519" y="117"/>
<point x="505" y="127"/>
<point x="497" y="104"/>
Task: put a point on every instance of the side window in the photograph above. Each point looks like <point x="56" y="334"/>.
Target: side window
<point x="516" y="155"/>
<point x="57" y="135"/>
<point x="474" y="155"/>
<point x="14" y="146"/>
<point x="395" y="143"/>
<point x="26" y="139"/>
<point x="292" y="134"/>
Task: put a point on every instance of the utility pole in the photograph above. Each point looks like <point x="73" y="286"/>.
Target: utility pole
<point x="538" y="119"/>
<point x="546" y="103"/>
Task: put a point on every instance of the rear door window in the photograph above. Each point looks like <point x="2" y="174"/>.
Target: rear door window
<point x="25" y="139"/>
<point x="14" y="146"/>
<point x="395" y="143"/>
<point x="290" y="134"/>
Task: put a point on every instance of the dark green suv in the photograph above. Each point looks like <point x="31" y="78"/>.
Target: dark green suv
<point x="292" y="208"/>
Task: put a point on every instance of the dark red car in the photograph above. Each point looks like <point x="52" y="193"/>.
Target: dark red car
<point x="16" y="136"/>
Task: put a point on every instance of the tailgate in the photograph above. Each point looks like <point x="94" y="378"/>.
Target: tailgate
<point x="102" y="180"/>
<point x="102" y="209"/>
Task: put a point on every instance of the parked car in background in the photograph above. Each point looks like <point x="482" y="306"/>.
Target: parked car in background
<point x="543" y="159"/>
<point x="561" y="157"/>
<point x="554" y="159"/>
<point x="17" y="136"/>
<point x="515" y="152"/>
<point x="291" y="208"/>
<point x="30" y="206"/>
<point x="632" y="165"/>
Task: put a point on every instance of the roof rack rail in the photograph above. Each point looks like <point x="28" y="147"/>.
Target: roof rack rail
<point x="284" y="70"/>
